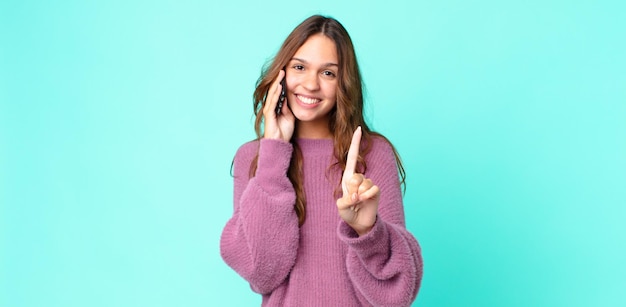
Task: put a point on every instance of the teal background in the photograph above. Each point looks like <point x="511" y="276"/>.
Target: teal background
<point x="119" y="121"/>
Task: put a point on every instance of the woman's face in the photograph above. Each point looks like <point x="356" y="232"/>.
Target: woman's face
<point x="312" y="80"/>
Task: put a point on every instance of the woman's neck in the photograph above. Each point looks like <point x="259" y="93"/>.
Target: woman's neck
<point x="313" y="130"/>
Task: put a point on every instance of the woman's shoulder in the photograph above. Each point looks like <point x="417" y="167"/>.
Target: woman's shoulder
<point x="244" y="157"/>
<point x="247" y="150"/>
<point x="380" y="144"/>
<point x="381" y="158"/>
<point x="381" y="151"/>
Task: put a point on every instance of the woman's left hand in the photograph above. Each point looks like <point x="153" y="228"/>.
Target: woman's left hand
<point x="358" y="206"/>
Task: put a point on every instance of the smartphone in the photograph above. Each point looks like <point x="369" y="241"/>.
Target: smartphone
<point x="281" y="99"/>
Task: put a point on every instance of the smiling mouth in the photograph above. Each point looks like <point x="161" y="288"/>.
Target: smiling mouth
<point x="307" y="100"/>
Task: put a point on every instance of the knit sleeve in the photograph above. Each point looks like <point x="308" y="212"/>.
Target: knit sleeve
<point x="385" y="265"/>
<point x="260" y="240"/>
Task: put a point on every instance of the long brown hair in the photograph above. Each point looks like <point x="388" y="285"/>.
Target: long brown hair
<point x="345" y="117"/>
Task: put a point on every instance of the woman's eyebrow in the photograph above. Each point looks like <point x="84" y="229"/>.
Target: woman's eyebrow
<point x="323" y="65"/>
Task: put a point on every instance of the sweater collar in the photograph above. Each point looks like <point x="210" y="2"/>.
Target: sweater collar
<point x="315" y="146"/>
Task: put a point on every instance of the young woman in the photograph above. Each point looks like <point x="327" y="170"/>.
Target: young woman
<point x="318" y="216"/>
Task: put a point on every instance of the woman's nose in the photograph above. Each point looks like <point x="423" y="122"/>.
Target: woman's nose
<point x="311" y="82"/>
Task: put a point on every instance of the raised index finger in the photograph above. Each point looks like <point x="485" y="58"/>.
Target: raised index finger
<point x="353" y="154"/>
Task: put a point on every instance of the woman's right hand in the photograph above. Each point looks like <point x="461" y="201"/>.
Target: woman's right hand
<point x="279" y="126"/>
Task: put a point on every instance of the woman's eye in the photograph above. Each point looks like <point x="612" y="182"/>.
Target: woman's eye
<point x="328" y="73"/>
<point x="298" y="67"/>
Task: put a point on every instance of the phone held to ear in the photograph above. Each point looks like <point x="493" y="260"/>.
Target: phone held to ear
<point x="281" y="99"/>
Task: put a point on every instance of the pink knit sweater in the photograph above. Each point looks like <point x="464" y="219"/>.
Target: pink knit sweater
<point x="324" y="262"/>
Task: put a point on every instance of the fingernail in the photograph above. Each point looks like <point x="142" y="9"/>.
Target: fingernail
<point x="354" y="197"/>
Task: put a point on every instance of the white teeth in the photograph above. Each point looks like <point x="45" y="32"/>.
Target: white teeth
<point x="307" y="100"/>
